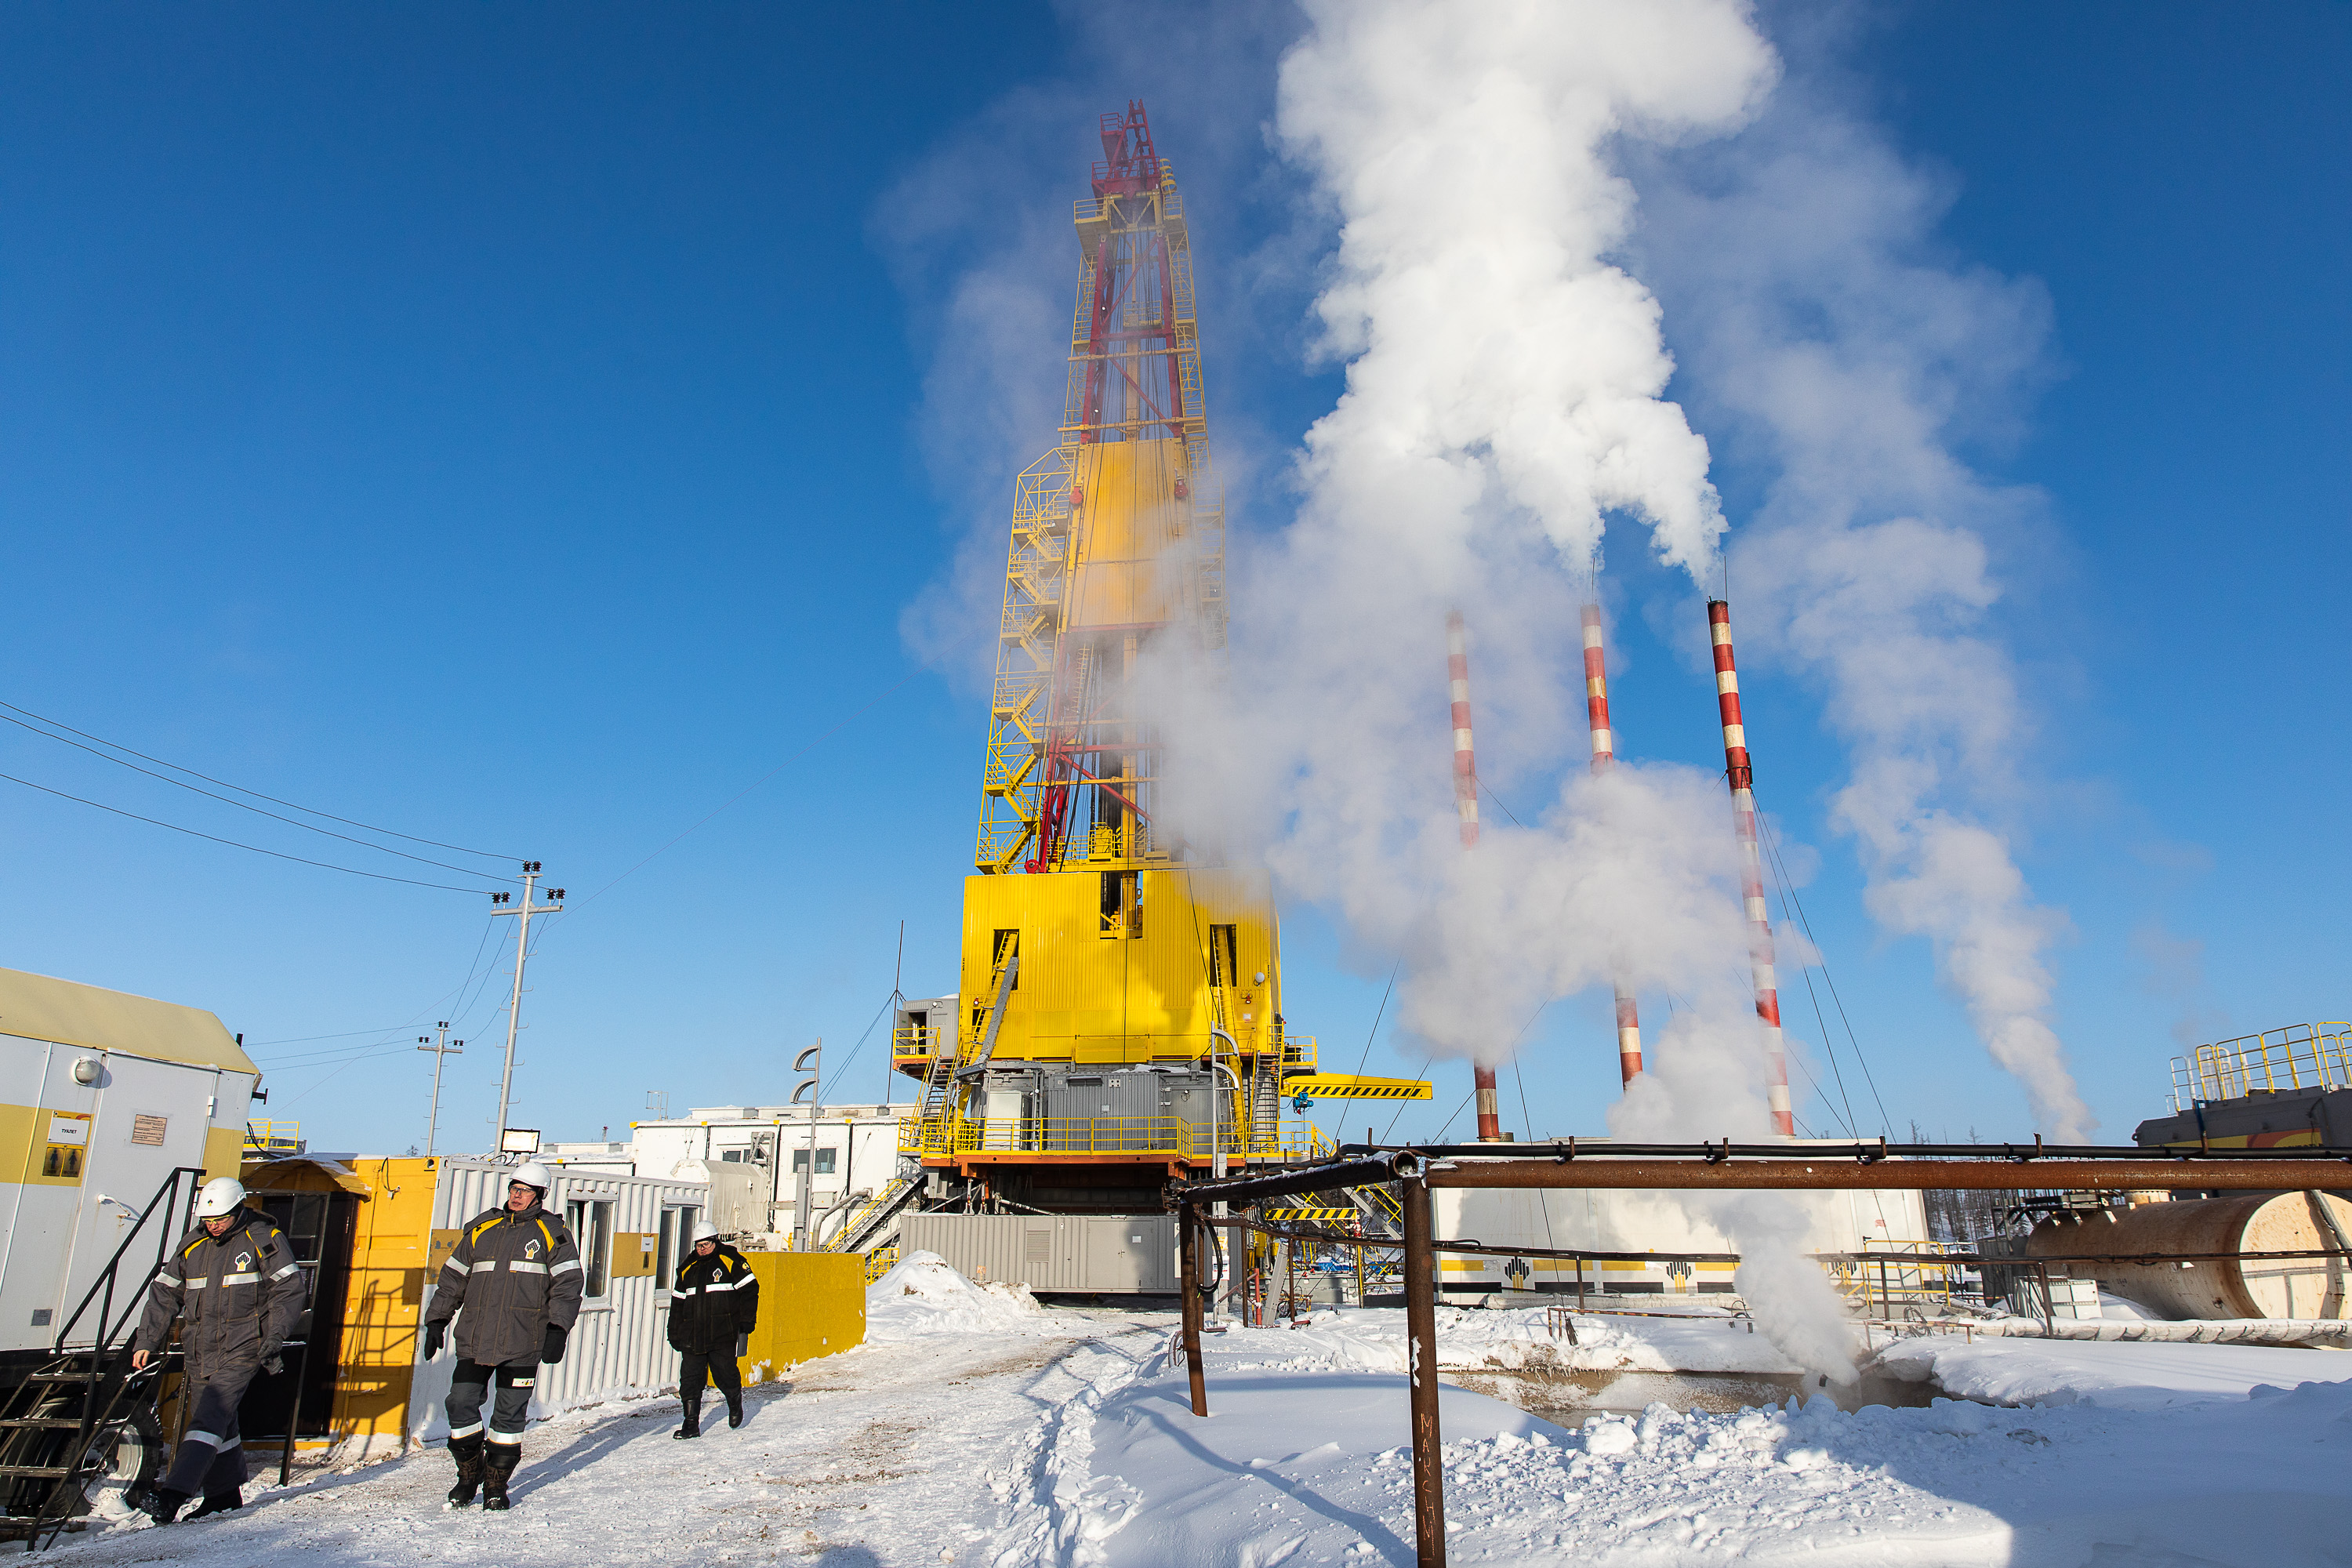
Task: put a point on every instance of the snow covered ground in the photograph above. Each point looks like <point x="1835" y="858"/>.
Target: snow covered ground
<point x="976" y="1427"/>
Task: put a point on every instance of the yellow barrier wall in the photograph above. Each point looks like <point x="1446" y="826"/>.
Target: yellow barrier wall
<point x="811" y="1304"/>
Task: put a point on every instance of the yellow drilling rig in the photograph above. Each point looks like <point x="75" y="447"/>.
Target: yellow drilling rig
<point x="1119" y="1022"/>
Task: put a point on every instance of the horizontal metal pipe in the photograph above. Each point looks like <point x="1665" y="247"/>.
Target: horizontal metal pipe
<point x="1867" y="1149"/>
<point x="1940" y="1175"/>
<point x="1283" y="1183"/>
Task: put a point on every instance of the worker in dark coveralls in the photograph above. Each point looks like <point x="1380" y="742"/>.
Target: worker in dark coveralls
<point x="514" y="1284"/>
<point x="234" y="1282"/>
<point x="713" y="1308"/>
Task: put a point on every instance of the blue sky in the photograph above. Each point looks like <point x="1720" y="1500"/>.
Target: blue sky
<point x="529" y="429"/>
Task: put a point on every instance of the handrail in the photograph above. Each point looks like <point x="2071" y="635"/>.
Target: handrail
<point x="166" y="1198"/>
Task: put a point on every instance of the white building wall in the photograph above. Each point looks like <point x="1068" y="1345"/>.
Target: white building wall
<point x="863" y="1141"/>
<point x="619" y="1345"/>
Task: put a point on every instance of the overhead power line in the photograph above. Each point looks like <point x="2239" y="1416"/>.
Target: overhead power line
<point x="256" y="849"/>
<point x="240" y="789"/>
<point x="305" y="826"/>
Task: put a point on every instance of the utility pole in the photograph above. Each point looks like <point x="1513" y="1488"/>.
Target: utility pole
<point x="522" y="951"/>
<point x="811" y="1062"/>
<point x="442" y="1050"/>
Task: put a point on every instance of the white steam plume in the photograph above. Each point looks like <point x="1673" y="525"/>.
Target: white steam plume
<point x="1504" y="392"/>
<point x="1821" y="324"/>
<point x="1496" y="355"/>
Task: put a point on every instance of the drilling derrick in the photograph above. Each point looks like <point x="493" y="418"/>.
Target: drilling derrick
<point x="1118" y="1019"/>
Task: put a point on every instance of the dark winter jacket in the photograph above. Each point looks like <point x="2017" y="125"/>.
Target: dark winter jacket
<point x="241" y="1294"/>
<point x="715" y="1299"/>
<point x="515" y="1276"/>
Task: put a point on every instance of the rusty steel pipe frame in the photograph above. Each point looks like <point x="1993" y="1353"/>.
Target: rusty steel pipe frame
<point x="1698" y="1167"/>
<point x="2022" y="1154"/>
<point x="2210" y="1174"/>
<point x="1421" y="1351"/>
<point x="1604" y="752"/>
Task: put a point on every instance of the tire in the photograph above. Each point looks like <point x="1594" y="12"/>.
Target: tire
<point x="115" y="1483"/>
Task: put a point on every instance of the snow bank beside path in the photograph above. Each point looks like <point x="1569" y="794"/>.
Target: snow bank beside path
<point x="1311" y="1467"/>
<point x="1480" y="1339"/>
<point x="2135" y="1375"/>
<point x="923" y="1294"/>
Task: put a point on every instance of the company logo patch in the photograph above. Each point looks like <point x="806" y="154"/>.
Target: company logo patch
<point x="243" y="1262"/>
<point x="531" y="1249"/>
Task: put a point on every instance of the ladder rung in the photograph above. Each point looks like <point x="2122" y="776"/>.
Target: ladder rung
<point x="63" y="1377"/>
<point x="41" y="1421"/>
<point x="50" y="1472"/>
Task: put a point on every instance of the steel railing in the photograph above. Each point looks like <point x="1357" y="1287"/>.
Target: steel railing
<point x="2300" y="1056"/>
<point x="940" y="1136"/>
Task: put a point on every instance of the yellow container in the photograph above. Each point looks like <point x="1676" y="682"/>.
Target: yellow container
<point x="812" y="1304"/>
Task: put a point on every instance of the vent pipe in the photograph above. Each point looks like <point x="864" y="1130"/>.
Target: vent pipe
<point x="1742" y="779"/>
<point x="1604" y="751"/>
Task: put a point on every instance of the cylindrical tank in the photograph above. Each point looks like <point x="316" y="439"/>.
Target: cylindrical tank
<point x="2214" y="1287"/>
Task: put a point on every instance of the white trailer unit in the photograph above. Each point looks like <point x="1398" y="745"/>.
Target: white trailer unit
<point x="102" y="1096"/>
<point x="632" y="1232"/>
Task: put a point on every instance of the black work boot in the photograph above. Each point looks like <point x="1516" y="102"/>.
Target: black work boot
<point x="693" y="1427"/>
<point x="467" y="1452"/>
<point x="734" y="1407"/>
<point x="498" y="1462"/>
<point x="220" y="1502"/>
<point x="163" y="1505"/>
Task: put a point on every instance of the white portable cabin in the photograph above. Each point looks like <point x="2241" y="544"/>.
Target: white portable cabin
<point x="102" y="1096"/>
<point x="632" y="1232"/>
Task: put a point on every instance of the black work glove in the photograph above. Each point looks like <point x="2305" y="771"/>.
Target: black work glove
<point x="271" y="1362"/>
<point x="552" y="1350"/>
<point x="433" y="1335"/>
<point x="743" y="1346"/>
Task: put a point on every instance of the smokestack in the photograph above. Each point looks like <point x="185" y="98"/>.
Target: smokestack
<point x="1751" y="867"/>
<point x="1604" y="751"/>
<point x="1465" y="806"/>
<point x="1465" y="763"/>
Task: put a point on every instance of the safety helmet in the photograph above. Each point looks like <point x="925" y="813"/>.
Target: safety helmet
<point x="531" y="1173"/>
<point x="705" y="1231"/>
<point x="221" y="1196"/>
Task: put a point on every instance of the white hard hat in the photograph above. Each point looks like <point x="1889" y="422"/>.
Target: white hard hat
<point x="705" y="1231"/>
<point x="221" y="1196"/>
<point x="531" y="1173"/>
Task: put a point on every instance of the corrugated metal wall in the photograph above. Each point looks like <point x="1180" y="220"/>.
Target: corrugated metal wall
<point x="1134" y="1254"/>
<point x="620" y="1346"/>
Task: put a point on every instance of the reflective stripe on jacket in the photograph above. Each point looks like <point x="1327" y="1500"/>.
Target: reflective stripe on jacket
<point x="715" y="1299"/>
<point x="240" y="1295"/>
<point x="513" y="1274"/>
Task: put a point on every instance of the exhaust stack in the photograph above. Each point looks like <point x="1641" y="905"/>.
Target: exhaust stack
<point x="1742" y="779"/>
<point x="1466" y="807"/>
<point x="1604" y="751"/>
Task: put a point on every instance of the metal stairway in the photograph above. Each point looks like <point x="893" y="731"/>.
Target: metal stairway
<point x="870" y="1226"/>
<point x="85" y="1420"/>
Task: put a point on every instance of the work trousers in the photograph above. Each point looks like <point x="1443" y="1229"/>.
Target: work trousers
<point x="470" y="1384"/>
<point x="721" y="1368"/>
<point x="210" y="1458"/>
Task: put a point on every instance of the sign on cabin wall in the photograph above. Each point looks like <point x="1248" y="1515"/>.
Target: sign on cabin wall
<point x="633" y="1254"/>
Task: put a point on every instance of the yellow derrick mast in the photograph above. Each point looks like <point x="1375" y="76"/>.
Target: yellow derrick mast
<point x="1118" y="1019"/>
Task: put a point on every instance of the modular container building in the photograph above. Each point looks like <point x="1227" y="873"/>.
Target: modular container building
<point x="106" y="1097"/>
<point x="399" y="1219"/>
<point x="1091" y="1254"/>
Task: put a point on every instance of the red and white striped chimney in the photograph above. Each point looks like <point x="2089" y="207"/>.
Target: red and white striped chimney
<point x="1466" y="807"/>
<point x="1604" y="751"/>
<point x="1466" y="761"/>
<point x="1742" y="779"/>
